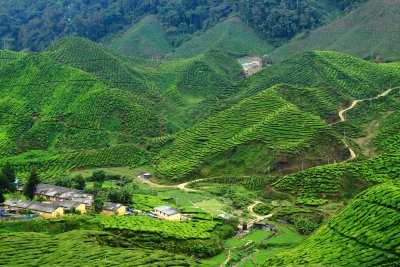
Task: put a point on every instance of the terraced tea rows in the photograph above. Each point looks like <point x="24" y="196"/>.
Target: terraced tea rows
<point x="347" y="240"/>
<point x="166" y="229"/>
<point x="78" y="248"/>
<point x="337" y="179"/>
<point x="266" y="118"/>
<point x="339" y="78"/>
<point x="60" y="164"/>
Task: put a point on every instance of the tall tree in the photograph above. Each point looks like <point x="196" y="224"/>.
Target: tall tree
<point x="7" y="179"/>
<point x="30" y="186"/>
<point x="98" y="204"/>
<point x="79" y="182"/>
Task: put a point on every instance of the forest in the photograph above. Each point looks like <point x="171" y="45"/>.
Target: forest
<point x="32" y="25"/>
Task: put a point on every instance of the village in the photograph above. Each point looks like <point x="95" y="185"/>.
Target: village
<point x="52" y="201"/>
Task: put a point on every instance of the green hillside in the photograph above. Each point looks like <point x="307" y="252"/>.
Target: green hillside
<point x="231" y="35"/>
<point x="371" y="30"/>
<point x="347" y="179"/>
<point x="180" y="90"/>
<point x="46" y="105"/>
<point x="365" y="233"/>
<point x="147" y="38"/>
<point x="79" y="248"/>
<point x="340" y="77"/>
<point x="265" y="124"/>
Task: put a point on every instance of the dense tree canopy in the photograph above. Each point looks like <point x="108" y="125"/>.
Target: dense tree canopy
<point x="32" y="25"/>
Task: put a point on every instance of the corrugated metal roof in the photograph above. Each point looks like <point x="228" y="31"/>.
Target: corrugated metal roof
<point x="167" y="210"/>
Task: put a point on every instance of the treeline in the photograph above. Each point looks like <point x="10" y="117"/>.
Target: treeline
<point x="33" y="24"/>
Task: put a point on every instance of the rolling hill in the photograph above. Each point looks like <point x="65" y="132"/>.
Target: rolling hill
<point x="372" y="30"/>
<point x="231" y="35"/>
<point x="79" y="248"/>
<point x="364" y="233"/>
<point x="265" y="124"/>
<point x="181" y="90"/>
<point x="147" y="38"/>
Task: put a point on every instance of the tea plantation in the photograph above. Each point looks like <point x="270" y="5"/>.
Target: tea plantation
<point x="79" y="248"/>
<point x="365" y="233"/>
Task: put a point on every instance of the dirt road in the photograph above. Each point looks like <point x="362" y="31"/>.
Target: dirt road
<point x="353" y="105"/>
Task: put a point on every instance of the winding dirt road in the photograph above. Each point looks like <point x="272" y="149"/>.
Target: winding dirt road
<point x="355" y="102"/>
<point x="257" y="217"/>
<point x="353" y="105"/>
<point x="181" y="186"/>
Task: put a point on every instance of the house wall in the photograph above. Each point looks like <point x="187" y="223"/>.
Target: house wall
<point x="175" y="217"/>
<point x="107" y="212"/>
<point x="120" y="212"/>
<point x="57" y="213"/>
<point x="81" y="208"/>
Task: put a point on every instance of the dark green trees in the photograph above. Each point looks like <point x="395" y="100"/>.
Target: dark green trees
<point x="30" y="186"/>
<point x="7" y="179"/>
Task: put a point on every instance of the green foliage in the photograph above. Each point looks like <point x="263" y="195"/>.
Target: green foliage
<point x="168" y="229"/>
<point x="364" y="233"/>
<point x="121" y="195"/>
<point x="147" y="38"/>
<point x="79" y="182"/>
<point x="77" y="248"/>
<point x="7" y="178"/>
<point x="304" y="224"/>
<point x="263" y="208"/>
<point x="148" y="203"/>
<point x="339" y="179"/>
<point x="265" y="118"/>
<point x="30" y="186"/>
<point x="98" y="203"/>
<point x="231" y="35"/>
<point x="32" y="26"/>
<point x="348" y="34"/>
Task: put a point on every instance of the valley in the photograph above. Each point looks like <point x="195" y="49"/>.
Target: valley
<point x="191" y="133"/>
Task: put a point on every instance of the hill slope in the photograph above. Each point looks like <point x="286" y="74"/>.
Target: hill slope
<point x="265" y="123"/>
<point x="346" y="240"/>
<point x="147" y="38"/>
<point x="231" y="35"/>
<point x="176" y="88"/>
<point x="340" y="78"/>
<point x="371" y="29"/>
<point x="46" y="105"/>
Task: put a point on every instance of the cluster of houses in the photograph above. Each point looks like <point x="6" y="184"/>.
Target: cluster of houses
<point x="56" y="200"/>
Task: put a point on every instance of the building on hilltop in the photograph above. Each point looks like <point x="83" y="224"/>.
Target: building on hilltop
<point x="167" y="213"/>
<point x="110" y="208"/>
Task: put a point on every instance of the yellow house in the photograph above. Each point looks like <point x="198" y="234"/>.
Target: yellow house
<point x="167" y="213"/>
<point x="113" y="209"/>
<point x="47" y="210"/>
<point x="67" y="205"/>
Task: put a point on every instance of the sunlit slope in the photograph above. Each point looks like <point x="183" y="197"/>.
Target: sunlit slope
<point x="175" y="88"/>
<point x="340" y="78"/>
<point x="365" y="233"/>
<point x="146" y="38"/>
<point x="372" y="29"/>
<point x="46" y="105"/>
<point x="79" y="248"/>
<point x="266" y="119"/>
<point x="231" y="35"/>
